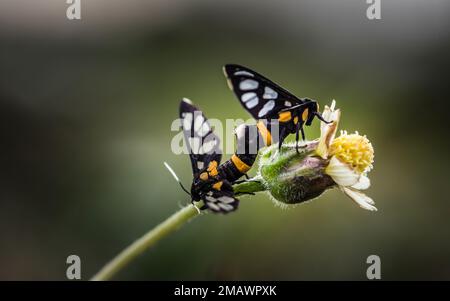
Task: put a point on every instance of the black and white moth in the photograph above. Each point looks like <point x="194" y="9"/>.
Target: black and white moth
<point x="212" y="182"/>
<point x="269" y="103"/>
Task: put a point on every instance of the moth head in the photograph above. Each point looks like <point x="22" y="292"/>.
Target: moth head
<point x="197" y="187"/>
<point x="313" y="110"/>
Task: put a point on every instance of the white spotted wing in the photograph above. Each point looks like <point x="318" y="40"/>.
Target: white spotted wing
<point x="261" y="97"/>
<point x="223" y="200"/>
<point x="203" y="145"/>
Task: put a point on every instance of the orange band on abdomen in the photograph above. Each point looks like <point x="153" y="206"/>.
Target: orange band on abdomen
<point x="241" y="166"/>
<point x="267" y="137"/>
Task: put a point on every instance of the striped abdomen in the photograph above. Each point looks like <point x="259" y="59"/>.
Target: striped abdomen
<point x="250" y="138"/>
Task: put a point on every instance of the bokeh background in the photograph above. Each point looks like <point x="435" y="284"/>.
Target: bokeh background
<point x="86" y="108"/>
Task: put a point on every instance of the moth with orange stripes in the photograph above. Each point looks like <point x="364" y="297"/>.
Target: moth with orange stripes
<point x="212" y="182"/>
<point x="267" y="102"/>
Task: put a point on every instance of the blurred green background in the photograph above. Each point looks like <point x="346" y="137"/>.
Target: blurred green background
<point x="86" y="108"/>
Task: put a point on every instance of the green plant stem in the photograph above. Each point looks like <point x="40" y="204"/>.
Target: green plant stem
<point x="168" y="226"/>
<point x="148" y="240"/>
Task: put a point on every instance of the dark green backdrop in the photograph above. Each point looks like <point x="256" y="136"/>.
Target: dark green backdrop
<point x="86" y="108"/>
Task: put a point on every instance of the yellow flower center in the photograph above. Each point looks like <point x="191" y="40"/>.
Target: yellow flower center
<point x="354" y="150"/>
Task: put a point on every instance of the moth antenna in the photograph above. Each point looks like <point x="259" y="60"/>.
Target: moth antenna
<point x="321" y="118"/>
<point x="176" y="177"/>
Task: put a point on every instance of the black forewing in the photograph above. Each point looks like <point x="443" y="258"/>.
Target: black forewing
<point x="203" y="145"/>
<point x="223" y="200"/>
<point x="261" y="97"/>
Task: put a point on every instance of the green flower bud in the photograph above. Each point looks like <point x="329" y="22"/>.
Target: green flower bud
<point x="292" y="177"/>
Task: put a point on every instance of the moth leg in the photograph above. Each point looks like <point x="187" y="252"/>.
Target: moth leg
<point x="239" y="182"/>
<point x="246" y="193"/>
<point x="198" y="209"/>
<point x="303" y="137"/>
<point x="282" y="137"/>
<point x="201" y="208"/>
<point x="297" y="130"/>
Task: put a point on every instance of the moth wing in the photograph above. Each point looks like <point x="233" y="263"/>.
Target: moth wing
<point x="223" y="200"/>
<point x="203" y="145"/>
<point x="261" y="97"/>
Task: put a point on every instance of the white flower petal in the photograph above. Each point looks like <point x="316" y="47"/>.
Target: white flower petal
<point x="341" y="173"/>
<point x="362" y="184"/>
<point x="328" y="109"/>
<point x="328" y="130"/>
<point x="368" y="200"/>
<point x="330" y="114"/>
<point x="333" y="104"/>
<point x="360" y="198"/>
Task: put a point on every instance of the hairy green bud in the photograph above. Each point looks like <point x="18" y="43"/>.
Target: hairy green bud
<point x="292" y="177"/>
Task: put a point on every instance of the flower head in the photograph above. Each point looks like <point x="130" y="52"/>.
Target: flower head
<point x="354" y="150"/>
<point x="328" y="162"/>
<point x="350" y="159"/>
